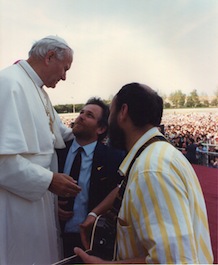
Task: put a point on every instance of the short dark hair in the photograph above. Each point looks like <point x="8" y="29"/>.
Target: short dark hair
<point x="145" y="106"/>
<point x="103" y="122"/>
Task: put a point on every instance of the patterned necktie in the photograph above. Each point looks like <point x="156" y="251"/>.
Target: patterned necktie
<point x="74" y="173"/>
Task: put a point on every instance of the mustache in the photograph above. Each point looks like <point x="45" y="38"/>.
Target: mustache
<point x="78" y="122"/>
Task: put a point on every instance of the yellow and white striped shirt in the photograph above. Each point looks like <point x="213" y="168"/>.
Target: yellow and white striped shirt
<point x="163" y="215"/>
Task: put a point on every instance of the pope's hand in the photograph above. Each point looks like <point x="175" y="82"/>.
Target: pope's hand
<point x="64" y="185"/>
<point x="62" y="214"/>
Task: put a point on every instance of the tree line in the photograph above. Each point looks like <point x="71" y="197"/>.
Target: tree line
<point x="68" y="108"/>
<point x="175" y="100"/>
<point x="178" y="99"/>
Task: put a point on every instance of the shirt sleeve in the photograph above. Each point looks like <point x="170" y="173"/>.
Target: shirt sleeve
<point x="162" y="219"/>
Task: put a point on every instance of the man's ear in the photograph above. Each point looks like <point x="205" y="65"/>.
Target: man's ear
<point x="123" y="112"/>
<point x="101" y="130"/>
<point x="49" y="56"/>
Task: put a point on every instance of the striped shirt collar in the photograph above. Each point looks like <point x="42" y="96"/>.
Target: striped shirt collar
<point x="145" y="137"/>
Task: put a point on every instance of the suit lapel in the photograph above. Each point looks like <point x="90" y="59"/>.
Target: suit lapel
<point x="99" y="160"/>
<point x="62" y="155"/>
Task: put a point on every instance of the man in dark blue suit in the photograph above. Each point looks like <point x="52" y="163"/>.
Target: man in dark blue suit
<point x="98" y="174"/>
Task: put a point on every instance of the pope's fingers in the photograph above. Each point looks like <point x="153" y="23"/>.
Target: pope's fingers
<point x="71" y="190"/>
<point x="62" y="203"/>
<point x="70" y="178"/>
<point x="63" y="185"/>
<point x="64" y="215"/>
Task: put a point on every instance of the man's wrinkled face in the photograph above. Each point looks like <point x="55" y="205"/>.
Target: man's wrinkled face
<point x="57" y="69"/>
<point x="116" y="134"/>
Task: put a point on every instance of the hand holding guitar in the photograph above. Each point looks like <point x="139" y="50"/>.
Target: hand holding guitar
<point x="87" y="225"/>
<point x="88" y="258"/>
<point x="85" y="230"/>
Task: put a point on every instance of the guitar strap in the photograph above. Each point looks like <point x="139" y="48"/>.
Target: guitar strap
<point x="118" y="200"/>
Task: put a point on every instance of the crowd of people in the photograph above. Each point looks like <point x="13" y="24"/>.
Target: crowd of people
<point x="195" y="134"/>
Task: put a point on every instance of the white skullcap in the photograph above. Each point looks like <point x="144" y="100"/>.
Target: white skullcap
<point x="52" y="37"/>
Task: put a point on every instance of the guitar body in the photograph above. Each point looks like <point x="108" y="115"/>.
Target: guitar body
<point x="103" y="237"/>
<point x="102" y="242"/>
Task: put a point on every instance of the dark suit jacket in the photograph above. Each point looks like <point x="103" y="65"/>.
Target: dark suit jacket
<point x="104" y="176"/>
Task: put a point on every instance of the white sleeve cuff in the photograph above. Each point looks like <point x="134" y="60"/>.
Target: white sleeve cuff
<point x="93" y="214"/>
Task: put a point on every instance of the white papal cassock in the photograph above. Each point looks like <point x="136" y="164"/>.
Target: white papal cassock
<point x="28" y="220"/>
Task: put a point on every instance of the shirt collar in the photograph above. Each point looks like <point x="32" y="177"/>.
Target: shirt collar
<point x="142" y="140"/>
<point x="88" y="149"/>
<point x="34" y="76"/>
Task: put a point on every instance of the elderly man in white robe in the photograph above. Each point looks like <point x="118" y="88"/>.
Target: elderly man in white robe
<point x="30" y="131"/>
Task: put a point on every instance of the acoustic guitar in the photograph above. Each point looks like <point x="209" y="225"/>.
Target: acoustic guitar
<point x="102" y="243"/>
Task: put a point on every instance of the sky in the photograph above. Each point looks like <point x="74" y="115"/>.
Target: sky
<point x="169" y="45"/>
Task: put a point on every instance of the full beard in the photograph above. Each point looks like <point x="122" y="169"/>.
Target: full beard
<point x="116" y="136"/>
<point x="82" y="134"/>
